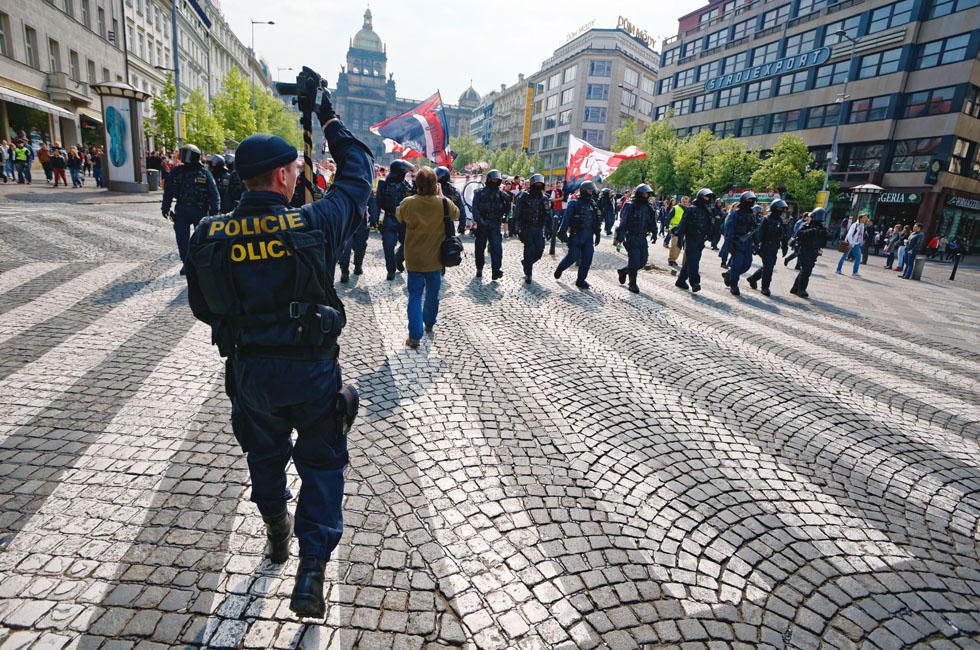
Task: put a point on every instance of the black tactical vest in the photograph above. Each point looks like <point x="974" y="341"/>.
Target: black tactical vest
<point x="536" y="211"/>
<point x="585" y="217"/>
<point x="493" y="204"/>
<point x="639" y="220"/>
<point x="192" y="189"/>
<point x="391" y="196"/>
<point x="265" y="276"/>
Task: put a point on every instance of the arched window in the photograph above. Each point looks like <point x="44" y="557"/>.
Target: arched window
<point x="355" y="67"/>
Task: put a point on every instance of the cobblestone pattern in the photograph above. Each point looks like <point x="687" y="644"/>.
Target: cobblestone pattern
<point x="552" y="469"/>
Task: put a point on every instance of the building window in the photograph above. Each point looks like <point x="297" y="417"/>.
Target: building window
<point x="565" y="117"/>
<point x="822" y="116"/>
<point x="831" y="74"/>
<point x="879" y="64"/>
<point x="595" y="114"/>
<point x="736" y="63"/>
<point x="70" y="8"/>
<point x="142" y="46"/>
<point x="54" y="56"/>
<point x="649" y="86"/>
<point x="600" y="68"/>
<point x="758" y="90"/>
<point x="105" y="74"/>
<point x="551" y="102"/>
<point x="73" y="65"/>
<point x="939" y="8"/>
<point x="568" y="95"/>
<point x="743" y="28"/>
<point x="786" y="121"/>
<point x="685" y="77"/>
<point x="729" y="96"/>
<point x="850" y="26"/>
<point x="569" y="74"/>
<point x="776" y="16"/>
<point x="682" y="106"/>
<point x="632" y="77"/>
<point x="100" y="13"/>
<point x="550" y="122"/>
<point x="709" y="70"/>
<point x="704" y="102"/>
<point x="724" y="129"/>
<point x="592" y="136"/>
<point x="4" y="30"/>
<point x="869" y="110"/>
<point x="554" y="80"/>
<point x="708" y="16"/>
<point x="947" y="50"/>
<point x="961" y="155"/>
<point x="801" y="43"/>
<point x="670" y="56"/>
<point x="717" y="39"/>
<point x="914" y="155"/>
<point x="562" y="139"/>
<point x="666" y="85"/>
<point x="91" y="72"/>
<point x="646" y="106"/>
<point x="971" y="103"/>
<point x="937" y="101"/>
<point x="753" y="126"/>
<point x="893" y="15"/>
<point x="547" y="142"/>
<point x="809" y="6"/>
<point x="85" y="16"/>
<point x="792" y="83"/>
<point x="661" y="112"/>
<point x="597" y="91"/>
<point x="865" y="157"/>
<point x="693" y="47"/>
<point x="765" y="54"/>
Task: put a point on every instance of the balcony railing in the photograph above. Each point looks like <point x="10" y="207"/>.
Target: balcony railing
<point x="63" y="88"/>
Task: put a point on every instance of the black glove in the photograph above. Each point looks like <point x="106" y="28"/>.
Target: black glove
<point x="168" y="215"/>
<point x="324" y="111"/>
<point x="597" y="239"/>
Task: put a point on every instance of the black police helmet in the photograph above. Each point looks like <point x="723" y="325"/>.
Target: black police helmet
<point x="587" y="186"/>
<point x="494" y="175"/>
<point x="217" y="160"/>
<point x="189" y="154"/>
<point x="747" y="199"/>
<point x="818" y="215"/>
<point x="705" y="195"/>
<point x="777" y="207"/>
<point x="401" y="167"/>
<point x="605" y="190"/>
<point x="643" y="189"/>
<point x="757" y="209"/>
<point x="537" y="179"/>
<point x="230" y="159"/>
<point x="442" y="173"/>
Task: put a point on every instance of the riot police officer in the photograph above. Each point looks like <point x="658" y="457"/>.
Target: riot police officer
<point x="220" y="174"/>
<point x="717" y="223"/>
<point x="391" y="191"/>
<point x="637" y="219"/>
<point x="444" y="176"/>
<point x="260" y="277"/>
<point x="582" y="218"/>
<point x="769" y="237"/>
<point x="608" y="209"/>
<point x="196" y="195"/>
<point x="533" y="214"/>
<point x="490" y="205"/>
<point x="739" y="231"/>
<point x="358" y="243"/>
<point x="235" y="186"/>
<point x="694" y="229"/>
<point x="810" y="239"/>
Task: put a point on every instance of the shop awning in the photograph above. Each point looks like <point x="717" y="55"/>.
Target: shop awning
<point x="16" y="97"/>
<point x="91" y="115"/>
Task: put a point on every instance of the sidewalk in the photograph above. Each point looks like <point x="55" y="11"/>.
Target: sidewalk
<point x="41" y="191"/>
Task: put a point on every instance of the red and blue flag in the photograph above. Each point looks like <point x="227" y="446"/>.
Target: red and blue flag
<point x="423" y="129"/>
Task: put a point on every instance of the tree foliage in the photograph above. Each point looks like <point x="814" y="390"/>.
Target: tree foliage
<point x="203" y="128"/>
<point x="468" y="150"/>
<point x="161" y="126"/>
<point x="233" y="107"/>
<point x="272" y="116"/>
<point x="788" y="170"/>
<point x="731" y="165"/>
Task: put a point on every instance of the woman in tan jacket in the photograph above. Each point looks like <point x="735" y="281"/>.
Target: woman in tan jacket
<point x="422" y="215"/>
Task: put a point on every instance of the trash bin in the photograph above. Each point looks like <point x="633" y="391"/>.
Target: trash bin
<point x="920" y="262"/>
<point x="153" y="179"/>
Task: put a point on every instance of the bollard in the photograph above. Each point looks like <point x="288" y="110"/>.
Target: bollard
<point x="956" y="263"/>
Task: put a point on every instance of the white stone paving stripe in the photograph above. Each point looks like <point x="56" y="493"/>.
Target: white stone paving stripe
<point x="25" y="273"/>
<point x="60" y="299"/>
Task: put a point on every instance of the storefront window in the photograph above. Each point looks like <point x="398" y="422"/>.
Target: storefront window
<point x="27" y="123"/>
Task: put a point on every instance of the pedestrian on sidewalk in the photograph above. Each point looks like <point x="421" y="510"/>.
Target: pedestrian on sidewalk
<point x="22" y="158"/>
<point x="3" y="161"/>
<point x="8" y="160"/>
<point x="855" y="240"/>
<point x="912" y="249"/>
<point x="425" y="230"/>
<point x="906" y="233"/>
<point x="58" y="164"/>
<point x="892" y="245"/>
<point x="97" y="166"/>
<point x="44" y="157"/>
<point x="75" y="167"/>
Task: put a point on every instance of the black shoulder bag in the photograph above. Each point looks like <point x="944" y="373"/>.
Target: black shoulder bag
<point x="451" y="250"/>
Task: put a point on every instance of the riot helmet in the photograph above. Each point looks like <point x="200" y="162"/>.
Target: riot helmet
<point x="442" y="173"/>
<point x="189" y="154"/>
<point x="756" y="210"/>
<point x="818" y="215"/>
<point x="537" y="179"/>
<point x="704" y="197"/>
<point x="230" y="160"/>
<point x="778" y="208"/>
<point x="587" y="186"/>
<point x="642" y="192"/>
<point x="605" y="190"/>
<point x="400" y="167"/>
<point x="217" y="160"/>
<point x="746" y="200"/>
<point x="494" y="176"/>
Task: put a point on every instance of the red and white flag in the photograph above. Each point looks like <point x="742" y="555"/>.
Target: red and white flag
<point x="588" y="163"/>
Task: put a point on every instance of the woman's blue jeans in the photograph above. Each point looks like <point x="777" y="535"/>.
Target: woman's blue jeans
<point x="429" y="282"/>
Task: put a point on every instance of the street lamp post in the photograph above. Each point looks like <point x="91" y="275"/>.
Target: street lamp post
<point x="840" y="114"/>
<point x="177" y="116"/>
<point x="251" y="64"/>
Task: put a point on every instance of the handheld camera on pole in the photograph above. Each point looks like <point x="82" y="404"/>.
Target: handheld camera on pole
<point x="308" y="92"/>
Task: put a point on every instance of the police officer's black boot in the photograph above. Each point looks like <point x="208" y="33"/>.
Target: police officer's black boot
<point x="278" y="529"/>
<point x="496" y="275"/>
<point x="479" y="272"/>
<point x="622" y="275"/>
<point x="358" y="270"/>
<point x="344" y="276"/>
<point x="307" y="599"/>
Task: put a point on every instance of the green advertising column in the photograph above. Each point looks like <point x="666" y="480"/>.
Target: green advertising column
<point x="123" y="163"/>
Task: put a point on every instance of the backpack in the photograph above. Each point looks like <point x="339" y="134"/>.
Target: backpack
<point x="451" y="249"/>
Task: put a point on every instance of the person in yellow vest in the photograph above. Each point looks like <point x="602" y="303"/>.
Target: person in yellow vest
<point x="675" y="220"/>
<point x="22" y="159"/>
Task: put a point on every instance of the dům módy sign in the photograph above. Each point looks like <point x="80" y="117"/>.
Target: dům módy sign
<point x="789" y="64"/>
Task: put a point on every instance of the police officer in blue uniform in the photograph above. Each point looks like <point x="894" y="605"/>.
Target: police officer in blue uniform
<point x="693" y="230"/>
<point x="608" y="209"/>
<point x="220" y="174"/>
<point x="582" y="218"/>
<point x="490" y="206"/>
<point x="444" y="176"/>
<point x="260" y="277"/>
<point x="196" y="195"/>
<point x="769" y="238"/>
<point x="717" y="223"/>
<point x="358" y="243"/>
<point x="637" y="219"/>
<point x="235" y="186"/>
<point x="391" y="191"/>
<point x="739" y="232"/>
<point x="810" y="239"/>
<point x="533" y="214"/>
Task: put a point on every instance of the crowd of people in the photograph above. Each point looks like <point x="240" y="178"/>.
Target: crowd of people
<point x="17" y="157"/>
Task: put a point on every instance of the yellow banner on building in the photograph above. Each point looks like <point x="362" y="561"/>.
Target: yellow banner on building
<point x="527" y="115"/>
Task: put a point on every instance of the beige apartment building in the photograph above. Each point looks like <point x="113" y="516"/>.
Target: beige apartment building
<point x="910" y="121"/>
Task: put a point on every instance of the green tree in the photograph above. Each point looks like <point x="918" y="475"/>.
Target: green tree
<point x="203" y="128"/>
<point x="272" y="116"/>
<point x="788" y="169"/>
<point x="630" y="172"/>
<point x="164" y="106"/>
<point x="233" y="106"/>
<point x="468" y="150"/>
<point x="731" y="165"/>
<point x="692" y="161"/>
<point x="660" y="141"/>
<point x="804" y="190"/>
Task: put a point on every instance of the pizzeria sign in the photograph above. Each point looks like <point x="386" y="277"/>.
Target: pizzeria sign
<point x="789" y="64"/>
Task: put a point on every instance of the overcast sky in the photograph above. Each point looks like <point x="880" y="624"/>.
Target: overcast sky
<point x="488" y="42"/>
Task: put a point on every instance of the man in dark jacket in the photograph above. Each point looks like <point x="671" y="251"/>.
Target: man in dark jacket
<point x="608" y="209"/>
<point x="532" y="212"/>
<point x="912" y="250"/>
<point x="768" y="240"/>
<point x="637" y="219"/>
<point x="196" y="195"/>
<point x="694" y="228"/>
<point x="810" y="239"/>
<point x="490" y="206"/>
<point x="391" y="192"/>
<point x="739" y="233"/>
<point x="582" y="218"/>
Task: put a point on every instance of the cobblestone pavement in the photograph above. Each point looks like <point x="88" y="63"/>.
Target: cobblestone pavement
<point x="552" y="469"/>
